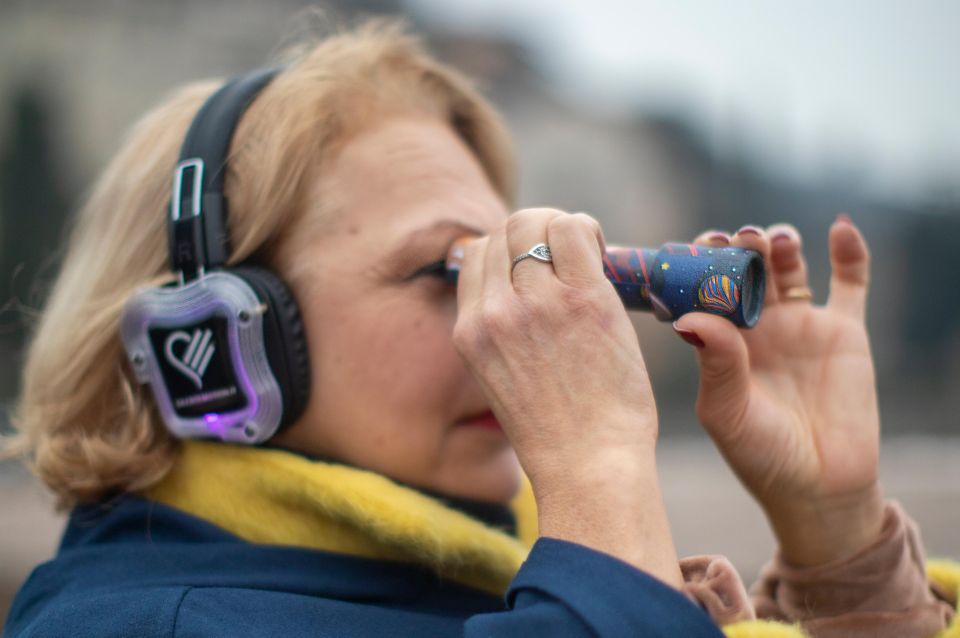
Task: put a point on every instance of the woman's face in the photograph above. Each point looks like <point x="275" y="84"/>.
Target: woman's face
<point x="389" y="391"/>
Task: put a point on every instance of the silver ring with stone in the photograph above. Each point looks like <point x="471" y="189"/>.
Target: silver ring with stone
<point x="540" y="252"/>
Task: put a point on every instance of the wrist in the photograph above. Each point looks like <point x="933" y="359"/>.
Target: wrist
<point x="613" y="474"/>
<point x="612" y="503"/>
<point x="825" y="530"/>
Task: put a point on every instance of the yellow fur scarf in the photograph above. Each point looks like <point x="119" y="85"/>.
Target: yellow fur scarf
<point x="275" y="497"/>
<point x="945" y="574"/>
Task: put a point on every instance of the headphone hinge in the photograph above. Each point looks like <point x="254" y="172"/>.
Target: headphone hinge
<point x="187" y="253"/>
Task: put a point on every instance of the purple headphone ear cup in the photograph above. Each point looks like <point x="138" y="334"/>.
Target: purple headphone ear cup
<point x="284" y="339"/>
<point x="202" y="347"/>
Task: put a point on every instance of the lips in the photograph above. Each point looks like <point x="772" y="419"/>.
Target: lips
<point x="485" y="420"/>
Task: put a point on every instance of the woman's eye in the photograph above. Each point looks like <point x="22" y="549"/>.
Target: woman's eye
<point x="435" y="269"/>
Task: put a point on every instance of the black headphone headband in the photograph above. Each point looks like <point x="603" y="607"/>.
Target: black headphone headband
<point x="224" y="352"/>
<point x="197" y="224"/>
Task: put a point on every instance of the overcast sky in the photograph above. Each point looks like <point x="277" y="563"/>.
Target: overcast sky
<point x="807" y="84"/>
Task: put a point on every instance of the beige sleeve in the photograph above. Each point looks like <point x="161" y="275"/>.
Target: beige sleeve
<point x="880" y="592"/>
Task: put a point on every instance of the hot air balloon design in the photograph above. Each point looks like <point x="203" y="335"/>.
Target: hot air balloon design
<point x="719" y="294"/>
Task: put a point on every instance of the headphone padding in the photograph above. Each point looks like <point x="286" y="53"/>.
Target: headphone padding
<point x="284" y="339"/>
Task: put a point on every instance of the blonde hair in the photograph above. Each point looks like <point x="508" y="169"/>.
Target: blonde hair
<point x="85" y="425"/>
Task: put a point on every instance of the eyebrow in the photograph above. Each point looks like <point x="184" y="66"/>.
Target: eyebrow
<point x="400" y="255"/>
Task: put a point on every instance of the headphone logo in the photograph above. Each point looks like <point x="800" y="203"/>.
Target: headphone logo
<point x="195" y="358"/>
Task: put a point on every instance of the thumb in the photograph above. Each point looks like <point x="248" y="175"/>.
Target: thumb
<point x="724" y="370"/>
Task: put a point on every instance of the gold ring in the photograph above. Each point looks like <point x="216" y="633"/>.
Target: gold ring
<point x="798" y="293"/>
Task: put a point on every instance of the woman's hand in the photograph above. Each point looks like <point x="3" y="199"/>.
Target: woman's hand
<point x="792" y="403"/>
<point x="558" y="360"/>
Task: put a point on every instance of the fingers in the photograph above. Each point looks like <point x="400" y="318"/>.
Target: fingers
<point x="487" y="267"/>
<point x="712" y="238"/>
<point x="755" y="238"/>
<point x="850" y="265"/>
<point x="496" y="267"/>
<point x="524" y="230"/>
<point x="724" y="369"/>
<point x="787" y="266"/>
<point x="577" y="244"/>
<point x="782" y="248"/>
<point x="470" y="279"/>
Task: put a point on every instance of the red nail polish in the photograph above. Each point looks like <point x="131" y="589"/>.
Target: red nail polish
<point x="843" y="217"/>
<point x="750" y="230"/>
<point x="689" y="336"/>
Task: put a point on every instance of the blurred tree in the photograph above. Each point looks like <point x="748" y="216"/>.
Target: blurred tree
<point x="33" y="207"/>
<point x="930" y="315"/>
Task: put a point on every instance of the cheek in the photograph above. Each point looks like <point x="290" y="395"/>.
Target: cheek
<point x="396" y="359"/>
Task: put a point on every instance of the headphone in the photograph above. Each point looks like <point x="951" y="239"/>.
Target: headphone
<point x="222" y="349"/>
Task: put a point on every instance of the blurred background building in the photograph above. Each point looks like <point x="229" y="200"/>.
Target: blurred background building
<point x="660" y="119"/>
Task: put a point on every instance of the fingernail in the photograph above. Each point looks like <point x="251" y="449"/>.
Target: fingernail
<point x="781" y="236"/>
<point x="689" y="336"/>
<point x="843" y="217"/>
<point x="750" y="230"/>
<point x="721" y="237"/>
<point x="457" y="251"/>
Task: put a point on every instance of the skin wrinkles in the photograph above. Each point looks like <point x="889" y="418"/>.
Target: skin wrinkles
<point x="424" y="242"/>
<point x="389" y="388"/>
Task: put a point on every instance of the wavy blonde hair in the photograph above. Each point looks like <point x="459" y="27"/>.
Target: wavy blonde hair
<point x="85" y="426"/>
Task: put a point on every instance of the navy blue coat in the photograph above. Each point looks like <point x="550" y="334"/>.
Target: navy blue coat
<point x="141" y="569"/>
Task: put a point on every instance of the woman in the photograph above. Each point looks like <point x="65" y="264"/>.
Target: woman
<point x="383" y="508"/>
